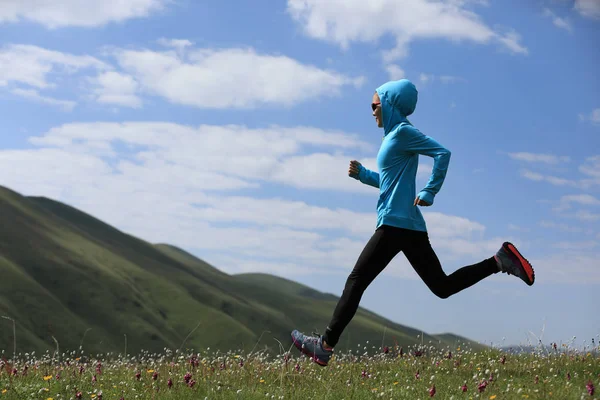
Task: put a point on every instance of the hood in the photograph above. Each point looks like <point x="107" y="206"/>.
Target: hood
<point x="398" y="101"/>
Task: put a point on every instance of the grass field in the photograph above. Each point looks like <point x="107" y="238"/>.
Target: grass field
<point x="368" y="372"/>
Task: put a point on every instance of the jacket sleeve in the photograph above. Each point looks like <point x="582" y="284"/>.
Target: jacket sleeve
<point x="368" y="177"/>
<point x="416" y="142"/>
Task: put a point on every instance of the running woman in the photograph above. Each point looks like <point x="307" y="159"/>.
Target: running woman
<point x="400" y="224"/>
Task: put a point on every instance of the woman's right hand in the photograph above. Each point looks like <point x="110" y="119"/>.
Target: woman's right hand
<point x="354" y="169"/>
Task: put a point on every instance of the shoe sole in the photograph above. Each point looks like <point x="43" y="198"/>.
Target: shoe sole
<point x="525" y="264"/>
<point x="308" y="353"/>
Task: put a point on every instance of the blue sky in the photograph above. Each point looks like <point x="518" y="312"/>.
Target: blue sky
<point x="227" y="129"/>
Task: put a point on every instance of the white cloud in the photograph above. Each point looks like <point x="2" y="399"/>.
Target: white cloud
<point x="231" y="78"/>
<point x="395" y="72"/>
<point x="554" y="180"/>
<point x="585" y="215"/>
<point x="34" y="95"/>
<point x="567" y="267"/>
<point x="585" y="199"/>
<point x="82" y="13"/>
<point x="590" y="168"/>
<point x="588" y="8"/>
<point x="559" y="22"/>
<point x="425" y="78"/>
<point x="593" y="117"/>
<point x="32" y="65"/>
<point x="539" y="158"/>
<point x="561" y="227"/>
<point x="116" y="88"/>
<point x="343" y="22"/>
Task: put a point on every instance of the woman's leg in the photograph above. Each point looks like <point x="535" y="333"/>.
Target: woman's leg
<point x="423" y="259"/>
<point x="383" y="246"/>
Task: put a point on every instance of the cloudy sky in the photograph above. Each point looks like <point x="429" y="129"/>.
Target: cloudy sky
<point x="227" y="129"/>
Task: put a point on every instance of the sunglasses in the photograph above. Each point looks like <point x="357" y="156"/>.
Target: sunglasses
<point x="374" y="106"/>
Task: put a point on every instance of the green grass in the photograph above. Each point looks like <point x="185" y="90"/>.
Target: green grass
<point x="366" y="373"/>
<point x="70" y="277"/>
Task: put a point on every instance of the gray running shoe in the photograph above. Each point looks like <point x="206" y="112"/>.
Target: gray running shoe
<point x="513" y="263"/>
<point x="312" y="346"/>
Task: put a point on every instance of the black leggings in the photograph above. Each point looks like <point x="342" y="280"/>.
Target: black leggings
<point x="383" y="246"/>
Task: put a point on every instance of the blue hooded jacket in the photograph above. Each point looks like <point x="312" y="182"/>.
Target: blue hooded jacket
<point x="398" y="159"/>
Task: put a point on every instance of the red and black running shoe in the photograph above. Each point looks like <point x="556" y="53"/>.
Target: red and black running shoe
<point x="513" y="263"/>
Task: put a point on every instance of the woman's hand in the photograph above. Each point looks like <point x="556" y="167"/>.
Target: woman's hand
<point x="419" y="202"/>
<point x="354" y="169"/>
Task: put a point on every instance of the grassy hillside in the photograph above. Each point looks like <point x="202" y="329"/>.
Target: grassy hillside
<point x="65" y="272"/>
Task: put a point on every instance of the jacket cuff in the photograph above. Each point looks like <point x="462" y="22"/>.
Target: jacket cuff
<point x="426" y="196"/>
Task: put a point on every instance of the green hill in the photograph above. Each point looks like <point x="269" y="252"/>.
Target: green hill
<point x="65" y="272"/>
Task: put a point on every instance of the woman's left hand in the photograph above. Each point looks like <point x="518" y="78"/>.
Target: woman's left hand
<point x="419" y="202"/>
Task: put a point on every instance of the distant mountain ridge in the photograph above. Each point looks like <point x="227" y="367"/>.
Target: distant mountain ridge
<point x="64" y="272"/>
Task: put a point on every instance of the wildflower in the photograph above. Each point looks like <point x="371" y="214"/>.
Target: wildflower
<point x="568" y="376"/>
<point x="192" y="383"/>
<point x="94" y="379"/>
<point x="418" y="353"/>
<point x="78" y="395"/>
<point x="4" y="391"/>
<point x="155" y="376"/>
<point x="482" y="386"/>
<point x="492" y="397"/>
<point x="297" y="367"/>
<point x="491" y="377"/>
<point x="81" y="370"/>
<point x="138" y="375"/>
<point x="590" y="388"/>
<point x="47" y="377"/>
<point x="537" y="379"/>
<point x="187" y="378"/>
<point x="417" y="374"/>
<point x="464" y="388"/>
<point x="170" y="383"/>
<point x="449" y="356"/>
<point x="57" y="377"/>
<point x="502" y="360"/>
<point x="401" y="352"/>
<point x="241" y="362"/>
<point x="432" y="391"/>
<point x="100" y="395"/>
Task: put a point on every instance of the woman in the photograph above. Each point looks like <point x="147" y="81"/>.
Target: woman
<point x="400" y="224"/>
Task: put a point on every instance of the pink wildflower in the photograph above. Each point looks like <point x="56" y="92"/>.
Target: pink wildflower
<point x="138" y="375"/>
<point x="155" y="375"/>
<point x="417" y="375"/>
<point x="94" y="379"/>
<point x="187" y="378"/>
<point x="482" y="386"/>
<point x="432" y="391"/>
<point x="79" y="395"/>
<point x="590" y="388"/>
<point x="192" y="383"/>
<point x="170" y="383"/>
<point x="464" y="388"/>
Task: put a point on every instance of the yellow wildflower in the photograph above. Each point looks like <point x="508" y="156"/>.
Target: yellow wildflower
<point x="93" y="396"/>
<point x="237" y="356"/>
<point x="262" y="381"/>
<point x="49" y="398"/>
<point x="492" y="397"/>
<point x="395" y="383"/>
<point x="4" y="391"/>
<point x="47" y="377"/>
